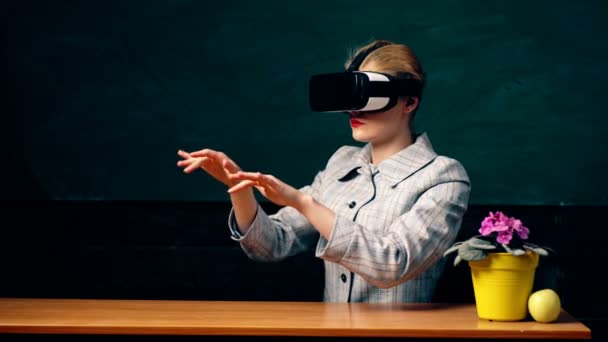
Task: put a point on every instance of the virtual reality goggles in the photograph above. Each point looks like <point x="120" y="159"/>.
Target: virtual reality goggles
<point x="359" y="91"/>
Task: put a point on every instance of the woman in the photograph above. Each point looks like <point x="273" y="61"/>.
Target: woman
<point x="381" y="216"/>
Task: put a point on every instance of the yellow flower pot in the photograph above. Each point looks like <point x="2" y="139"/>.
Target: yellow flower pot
<point x="502" y="284"/>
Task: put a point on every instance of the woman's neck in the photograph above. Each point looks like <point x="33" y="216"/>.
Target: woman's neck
<point x="384" y="150"/>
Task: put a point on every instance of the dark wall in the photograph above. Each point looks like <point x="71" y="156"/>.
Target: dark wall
<point x="101" y="94"/>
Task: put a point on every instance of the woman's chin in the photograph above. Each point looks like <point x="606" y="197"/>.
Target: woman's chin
<point x="358" y="136"/>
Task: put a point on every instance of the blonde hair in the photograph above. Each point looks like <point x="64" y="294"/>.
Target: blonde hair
<point x="393" y="59"/>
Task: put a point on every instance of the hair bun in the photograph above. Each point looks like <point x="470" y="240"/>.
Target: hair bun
<point x="360" y="57"/>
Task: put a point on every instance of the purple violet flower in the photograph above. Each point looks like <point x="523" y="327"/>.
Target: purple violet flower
<point x="504" y="237"/>
<point x="504" y="227"/>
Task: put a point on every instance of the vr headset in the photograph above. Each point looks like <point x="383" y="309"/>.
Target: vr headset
<point x="359" y="91"/>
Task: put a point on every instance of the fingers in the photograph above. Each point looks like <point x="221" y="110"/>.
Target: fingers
<point x="195" y="164"/>
<point x="215" y="163"/>
<point x="183" y="154"/>
<point x="183" y="163"/>
<point x="259" y="178"/>
<point x="254" y="176"/>
<point x="188" y="160"/>
<point x="242" y="185"/>
<point x="221" y="157"/>
<point x="208" y="153"/>
<point x="191" y="162"/>
<point x="249" y="179"/>
<point x="263" y="179"/>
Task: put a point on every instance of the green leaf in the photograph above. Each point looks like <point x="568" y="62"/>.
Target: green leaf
<point x="457" y="260"/>
<point x="455" y="247"/>
<point x="536" y="249"/>
<point x="481" y="244"/>
<point x="469" y="253"/>
<point x="518" y="251"/>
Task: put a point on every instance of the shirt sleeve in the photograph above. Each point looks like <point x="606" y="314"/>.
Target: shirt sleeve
<point x="280" y="235"/>
<point x="413" y="242"/>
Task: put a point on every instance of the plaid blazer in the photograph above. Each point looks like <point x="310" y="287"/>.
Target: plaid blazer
<point x="393" y="223"/>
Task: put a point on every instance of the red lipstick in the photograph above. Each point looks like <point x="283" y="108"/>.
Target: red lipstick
<point x="355" y="123"/>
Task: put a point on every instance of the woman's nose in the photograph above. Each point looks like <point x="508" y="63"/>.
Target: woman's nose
<point x="355" y="114"/>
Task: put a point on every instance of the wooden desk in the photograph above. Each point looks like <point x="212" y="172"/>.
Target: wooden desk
<point x="156" y="317"/>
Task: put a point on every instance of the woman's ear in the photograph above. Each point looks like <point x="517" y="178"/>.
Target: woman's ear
<point x="411" y="103"/>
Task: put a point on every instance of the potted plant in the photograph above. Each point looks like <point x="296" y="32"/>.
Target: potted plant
<point x="502" y="265"/>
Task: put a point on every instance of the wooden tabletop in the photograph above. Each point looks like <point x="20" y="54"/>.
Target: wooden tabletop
<point x="162" y="317"/>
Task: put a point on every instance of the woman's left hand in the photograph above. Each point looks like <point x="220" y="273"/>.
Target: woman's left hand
<point x="271" y="187"/>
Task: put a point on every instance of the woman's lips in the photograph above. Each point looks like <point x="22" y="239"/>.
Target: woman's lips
<point x="355" y="123"/>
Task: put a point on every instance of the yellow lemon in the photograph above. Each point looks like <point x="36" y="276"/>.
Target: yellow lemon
<point x="544" y="305"/>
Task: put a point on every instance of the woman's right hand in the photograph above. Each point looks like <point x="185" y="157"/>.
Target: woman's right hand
<point x="217" y="164"/>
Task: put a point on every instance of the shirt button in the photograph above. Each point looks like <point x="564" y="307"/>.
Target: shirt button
<point x="352" y="204"/>
<point x="343" y="278"/>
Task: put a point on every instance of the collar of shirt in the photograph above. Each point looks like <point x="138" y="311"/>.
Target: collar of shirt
<point x="396" y="168"/>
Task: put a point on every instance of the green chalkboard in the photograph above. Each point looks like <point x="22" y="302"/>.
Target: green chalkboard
<point x="105" y="92"/>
